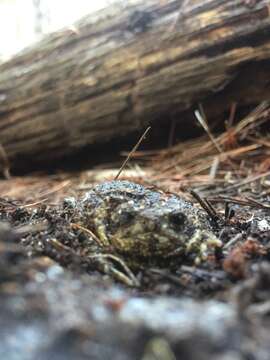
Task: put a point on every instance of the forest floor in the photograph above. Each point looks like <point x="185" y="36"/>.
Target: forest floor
<point x="56" y="303"/>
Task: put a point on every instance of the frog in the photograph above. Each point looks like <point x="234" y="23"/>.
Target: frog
<point x="138" y="222"/>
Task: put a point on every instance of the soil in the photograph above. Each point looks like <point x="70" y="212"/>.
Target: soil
<point x="58" y="303"/>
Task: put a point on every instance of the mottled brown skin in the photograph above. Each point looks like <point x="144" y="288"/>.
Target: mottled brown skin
<point x="141" y="222"/>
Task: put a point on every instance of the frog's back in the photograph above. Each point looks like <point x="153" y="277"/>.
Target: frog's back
<point x="123" y="189"/>
<point x="120" y="186"/>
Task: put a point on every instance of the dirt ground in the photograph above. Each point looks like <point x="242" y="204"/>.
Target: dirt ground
<point x="57" y="302"/>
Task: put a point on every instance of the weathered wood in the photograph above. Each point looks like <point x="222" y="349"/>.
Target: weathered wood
<point x="126" y="66"/>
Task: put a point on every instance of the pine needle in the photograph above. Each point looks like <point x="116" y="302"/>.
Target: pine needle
<point x="131" y="152"/>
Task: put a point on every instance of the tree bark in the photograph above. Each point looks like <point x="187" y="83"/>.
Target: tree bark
<point x="128" y="65"/>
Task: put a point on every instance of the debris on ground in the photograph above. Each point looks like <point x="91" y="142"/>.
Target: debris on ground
<point x="58" y="302"/>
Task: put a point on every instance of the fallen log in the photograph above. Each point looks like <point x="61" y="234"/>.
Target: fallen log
<point x="129" y="65"/>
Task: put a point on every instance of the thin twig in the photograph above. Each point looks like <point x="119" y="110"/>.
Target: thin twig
<point x="164" y="274"/>
<point x="88" y="231"/>
<point x="131" y="152"/>
<point x="244" y="182"/>
<point x="61" y="247"/>
<point x="25" y="229"/>
<point x="205" y="126"/>
<point x="6" y="164"/>
<point x="257" y="203"/>
<point x="33" y="204"/>
<point x="202" y="120"/>
<point x="210" y="206"/>
<point x="232" y="115"/>
<point x="130" y="279"/>
<point x="205" y="205"/>
<point x="55" y="189"/>
<point x="233" y="241"/>
<point x="214" y="168"/>
<point x="247" y="201"/>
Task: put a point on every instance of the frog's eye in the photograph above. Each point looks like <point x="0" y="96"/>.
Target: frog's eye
<point x="177" y="219"/>
<point x="113" y="201"/>
<point x="125" y="217"/>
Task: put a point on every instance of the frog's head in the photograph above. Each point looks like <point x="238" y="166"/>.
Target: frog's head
<point x="168" y="227"/>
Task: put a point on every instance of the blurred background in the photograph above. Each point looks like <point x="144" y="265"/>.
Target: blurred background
<point x="24" y="21"/>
